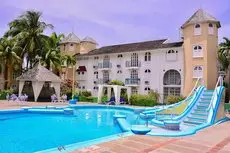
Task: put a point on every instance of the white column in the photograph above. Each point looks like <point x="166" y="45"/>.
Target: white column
<point x="37" y="87"/>
<point x="129" y="93"/>
<point x="109" y="92"/>
<point x="117" y="90"/>
<point x="100" y="92"/>
<point x="21" y="85"/>
<point x="57" y="86"/>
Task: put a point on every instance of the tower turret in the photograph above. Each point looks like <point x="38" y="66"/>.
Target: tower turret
<point x="200" y="34"/>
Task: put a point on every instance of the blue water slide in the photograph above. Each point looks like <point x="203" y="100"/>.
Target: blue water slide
<point x="193" y="100"/>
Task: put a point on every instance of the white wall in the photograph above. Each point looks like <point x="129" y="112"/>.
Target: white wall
<point x="158" y="66"/>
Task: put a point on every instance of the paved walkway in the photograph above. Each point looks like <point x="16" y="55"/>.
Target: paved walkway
<point x="211" y="140"/>
<point x="4" y="104"/>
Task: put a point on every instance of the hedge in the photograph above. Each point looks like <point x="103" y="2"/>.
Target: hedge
<point x="142" y="100"/>
<point x="171" y="99"/>
<point x="91" y="99"/>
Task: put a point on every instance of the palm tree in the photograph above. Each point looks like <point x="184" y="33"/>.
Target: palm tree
<point x="224" y="58"/>
<point x="66" y="61"/>
<point x="51" y="56"/>
<point x="9" y="57"/>
<point x="28" y="30"/>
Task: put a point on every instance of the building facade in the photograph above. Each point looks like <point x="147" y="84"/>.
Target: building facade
<point x="171" y="68"/>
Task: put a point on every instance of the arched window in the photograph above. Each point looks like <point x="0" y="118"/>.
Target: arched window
<point x="170" y="51"/>
<point x="197" y="51"/>
<point x="197" y="29"/>
<point x="171" y="83"/>
<point x="147" y="56"/>
<point x="119" y="72"/>
<point x="171" y="55"/>
<point x="198" y="72"/>
<point x="147" y="71"/>
<point x="172" y="77"/>
<point x="147" y="89"/>
<point x="210" y="29"/>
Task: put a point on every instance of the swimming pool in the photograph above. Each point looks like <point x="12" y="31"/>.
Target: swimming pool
<point x="26" y="132"/>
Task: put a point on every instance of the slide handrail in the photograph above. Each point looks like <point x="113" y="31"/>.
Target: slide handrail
<point x="219" y="81"/>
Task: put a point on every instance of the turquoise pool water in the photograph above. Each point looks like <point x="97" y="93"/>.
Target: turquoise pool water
<point x="30" y="132"/>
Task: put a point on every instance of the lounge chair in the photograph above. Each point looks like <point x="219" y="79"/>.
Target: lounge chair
<point x="112" y="101"/>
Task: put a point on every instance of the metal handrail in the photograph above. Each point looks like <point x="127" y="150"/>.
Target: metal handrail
<point x="194" y="88"/>
<point x="219" y="81"/>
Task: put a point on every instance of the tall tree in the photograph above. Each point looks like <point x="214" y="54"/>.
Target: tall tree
<point x="51" y="56"/>
<point x="28" y="30"/>
<point x="9" y="57"/>
<point x="224" y="58"/>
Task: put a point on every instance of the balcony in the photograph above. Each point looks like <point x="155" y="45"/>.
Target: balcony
<point x="132" y="82"/>
<point x="132" y="65"/>
<point x="103" y="81"/>
<point x="104" y="66"/>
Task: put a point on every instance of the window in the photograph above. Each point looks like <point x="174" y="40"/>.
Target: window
<point x="147" y="56"/>
<point x="146" y="82"/>
<point x="134" y="60"/>
<point x="119" y="72"/>
<point x="96" y="74"/>
<point x="198" y="72"/>
<point x="171" y="55"/>
<point x="83" y="87"/>
<point x="171" y="91"/>
<point x="79" y="73"/>
<point x="119" y="55"/>
<point x="147" y="71"/>
<point x="172" y="77"/>
<point x="171" y="52"/>
<point x="147" y="89"/>
<point x="210" y="29"/>
<point x="95" y="88"/>
<point x="118" y="66"/>
<point x="96" y="57"/>
<point x="82" y="73"/>
<point x="134" y="90"/>
<point x="71" y="44"/>
<point x="197" y="29"/>
<point x="64" y="47"/>
<point x="14" y="86"/>
<point x="15" y="75"/>
<point x="197" y="51"/>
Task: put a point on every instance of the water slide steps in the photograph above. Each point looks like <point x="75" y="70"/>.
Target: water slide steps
<point x="200" y="113"/>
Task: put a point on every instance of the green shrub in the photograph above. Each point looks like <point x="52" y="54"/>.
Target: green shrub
<point x="171" y="99"/>
<point x="116" y="82"/>
<point x="85" y="93"/>
<point x="3" y="93"/>
<point x="124" y="95"/>
<point x="155" y="94"/>
<point x="142" y="100"/>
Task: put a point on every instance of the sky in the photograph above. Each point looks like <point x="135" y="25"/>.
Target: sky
<point x="117" y="21"/>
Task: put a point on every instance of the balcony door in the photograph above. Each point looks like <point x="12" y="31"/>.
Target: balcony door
<point x="134" y="60"/>
<point x="105" y="76"/>
<point x="106" y="61"/>
<point x="134" y="77"/>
